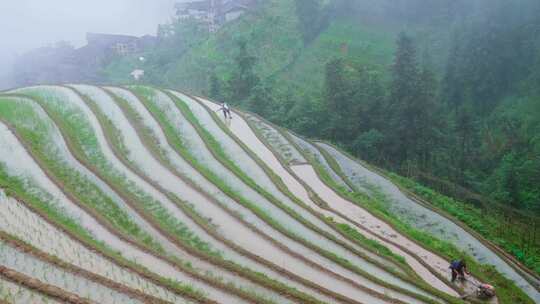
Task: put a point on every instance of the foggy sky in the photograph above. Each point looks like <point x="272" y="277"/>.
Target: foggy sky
<point x="27" y="24"/>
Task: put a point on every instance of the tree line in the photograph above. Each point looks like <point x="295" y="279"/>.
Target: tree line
<point x="475" y="123"/>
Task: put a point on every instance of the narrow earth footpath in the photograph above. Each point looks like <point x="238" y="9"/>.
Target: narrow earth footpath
<point x="45" y="272"/>
<point x="13" y="293"/>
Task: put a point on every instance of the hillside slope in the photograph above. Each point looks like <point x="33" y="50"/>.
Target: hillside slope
<point x="141" y="195"/>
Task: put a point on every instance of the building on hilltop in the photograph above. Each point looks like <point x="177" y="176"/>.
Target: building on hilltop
<point x="214" y="13"/>
<point x="63" y="63"/>
<point x="121" y="45"/>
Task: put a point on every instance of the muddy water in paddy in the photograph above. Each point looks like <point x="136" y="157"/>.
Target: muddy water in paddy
<point x="20" y="222"/>
<point x="227" y="224"/>
<point x="16" y="294"/>
<point x="425" y="219"/>
<point x="25" y="166"/>
<point x="50" y="274"/>
<point x="252" y="169"/>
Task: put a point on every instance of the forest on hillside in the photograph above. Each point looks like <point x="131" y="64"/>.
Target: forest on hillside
<point x="447" y="93"/>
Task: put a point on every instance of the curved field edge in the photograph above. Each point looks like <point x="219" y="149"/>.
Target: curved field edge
<point x="189" y="114"/>
<point x="34" y="138"/>
<point x="70" y="227"/>
<point x="247" y="225"/>
<point x="42" y="287"/>
<point x="196" y="251"/>
<point x="179" y="265"/>
<point x="54" y="260"/>
<point x="300" y="204"/>
<point x="507" y="291"/>
<point x="215" y="145"/>
<point x="424" y="285"/>
<point x="147" y="138"/>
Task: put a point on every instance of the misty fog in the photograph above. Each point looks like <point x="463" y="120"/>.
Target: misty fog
<point x="28" y="24"/>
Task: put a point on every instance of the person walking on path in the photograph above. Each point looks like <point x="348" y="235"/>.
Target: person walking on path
<point x="226" y="110"/>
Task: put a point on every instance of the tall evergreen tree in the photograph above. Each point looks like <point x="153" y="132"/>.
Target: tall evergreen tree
<point x="244" y="78"/>
<point x="403" y="106"/>
<point x="452" y="89"/>
<point x="312" y="17"/>
<point x="336" y="97"/>
<point x="215" y="87"/>
<point x="428" y="114"/>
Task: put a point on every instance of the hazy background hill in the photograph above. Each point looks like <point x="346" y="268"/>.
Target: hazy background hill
<point x="289" y="60"/>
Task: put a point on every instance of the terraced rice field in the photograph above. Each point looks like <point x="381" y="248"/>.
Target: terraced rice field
<point x="141" y="195"/>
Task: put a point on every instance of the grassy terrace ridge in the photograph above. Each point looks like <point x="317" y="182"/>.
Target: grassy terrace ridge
<point x="16" y="188"/>
<point x="29" y="127"/>
<point x="54" y="260"/>
<point x="351" y="232"/>
<point x="41" y="118"/>
<point x="193" y="242"/>
<point x="179" y="265"/>
<point x="279" y="182"/>
<point x="173" y="140"/>
<point x="114" y="138"/>
<point x="346" y="232"/>
<point x="214" y="145"/>
<point x="80" y="139"/>
<point x="507" y="291"/>
<point x="147" y="137"/>
<point x="329" y="182"/>
<point x="42" y="287"/>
